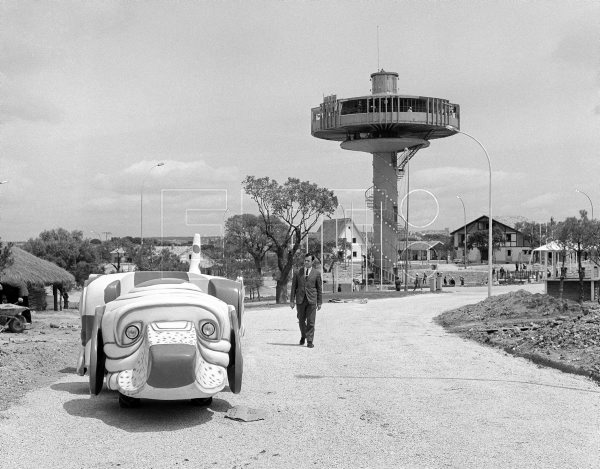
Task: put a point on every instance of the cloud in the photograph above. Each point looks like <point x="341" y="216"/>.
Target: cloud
<point x="17" y="104"/>
<point x="449" y="178"/>
<point x="23" y="23"/>
<point x="19" y="58"/>
<point x="581" y="47"/>
<point x="542" y="201"/>
<point x="197" y="175"/>
<point x="19" y="184"/>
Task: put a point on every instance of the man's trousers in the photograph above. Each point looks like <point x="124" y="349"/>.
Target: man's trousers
<point x="307" y="313"/>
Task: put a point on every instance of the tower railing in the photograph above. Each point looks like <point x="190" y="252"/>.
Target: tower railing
<point x="436" y="111"/>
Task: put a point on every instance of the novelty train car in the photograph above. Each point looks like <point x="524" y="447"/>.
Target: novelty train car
<point x="162" y="335"/>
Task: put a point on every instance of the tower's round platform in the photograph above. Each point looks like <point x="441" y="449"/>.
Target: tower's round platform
<point x="383" y="144"/>
<point x="409" y="120"/>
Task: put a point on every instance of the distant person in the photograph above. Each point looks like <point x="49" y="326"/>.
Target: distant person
<point x="501" y="272"/>
<point x="417" y="283"/>
<point x="65" y="296"/>
<point x="424" y="279"/>
<point x="452" y="281"/>
<point x="445" y="281"/>
<point x="462" y="281"/>
<point x="398" y="283"/>
<point x="306" y="294"/>
<point x="23" y="299"/>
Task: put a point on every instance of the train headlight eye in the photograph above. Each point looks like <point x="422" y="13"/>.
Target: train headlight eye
<point x="132" y="332"/>
<point x="208" y="329"/>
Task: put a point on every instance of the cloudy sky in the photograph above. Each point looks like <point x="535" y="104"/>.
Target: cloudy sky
<point x="94" y="94"/>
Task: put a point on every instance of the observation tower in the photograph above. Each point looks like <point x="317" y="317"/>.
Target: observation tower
<point x="393" y="128"/>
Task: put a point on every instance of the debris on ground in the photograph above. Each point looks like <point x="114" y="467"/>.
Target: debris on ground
<point x="559" y="333"/>
<point x="245" y="414"/>
<point x="345" y="300"/>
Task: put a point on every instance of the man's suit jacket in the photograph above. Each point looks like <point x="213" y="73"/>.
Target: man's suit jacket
<point x="310" y="287"/>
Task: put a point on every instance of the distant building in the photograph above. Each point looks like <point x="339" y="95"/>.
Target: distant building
<point x="514" y="248"/>
<point x="184" y="253"/>
<point x="420" y="250"/>
<point x="344" y="228"/>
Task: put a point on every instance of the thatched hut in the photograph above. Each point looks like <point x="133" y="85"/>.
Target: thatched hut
<point x="34" y="273"/>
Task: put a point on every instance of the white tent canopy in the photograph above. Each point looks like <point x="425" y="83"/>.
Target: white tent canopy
<point x="550" y="261"/>
<point x="552" y="246"/>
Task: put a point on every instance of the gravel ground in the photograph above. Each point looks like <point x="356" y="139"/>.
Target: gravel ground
<point x="385" y="387"/>
<point x="561" y="334"/>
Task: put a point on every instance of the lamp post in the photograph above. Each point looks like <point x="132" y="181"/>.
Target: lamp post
<point x="465" y="218"/>
<point x="581" y="192"/>
<point x="406" y="226"/>
<point x="490" y="226"/>
<point x="345" y="232"/>
<point x="142" y="202"/>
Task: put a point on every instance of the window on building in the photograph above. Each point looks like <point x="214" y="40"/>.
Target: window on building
<point x="354" y="106"/>
<point x="354" y="240"/>
<point x="509" y="252"/>
<point x="354" y="254"/>
<point x="511" y="239"/>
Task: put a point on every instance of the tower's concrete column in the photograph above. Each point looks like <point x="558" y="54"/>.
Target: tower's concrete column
<point x="385" y="210"/>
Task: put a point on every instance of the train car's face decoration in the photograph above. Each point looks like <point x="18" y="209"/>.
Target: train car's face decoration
<point x="162" y="335"/>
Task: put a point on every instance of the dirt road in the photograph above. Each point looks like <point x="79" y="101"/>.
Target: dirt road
<point x="384" y="387"/>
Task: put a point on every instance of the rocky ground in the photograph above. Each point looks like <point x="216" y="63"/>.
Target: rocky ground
<point x="37" y="356"/>
<point x="560" y="334"/>
<point x="563" y="335"/>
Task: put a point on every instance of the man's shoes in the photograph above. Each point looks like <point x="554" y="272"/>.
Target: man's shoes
<point x="302" y="339"/>
<point x="310" y="345"/>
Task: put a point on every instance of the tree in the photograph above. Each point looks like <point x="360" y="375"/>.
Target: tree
<point x="6" y="258"/>
<point x="479" y="240"/>
<point x="298" y="205"/>
<point x="104" y="249"/>
<point x="67" y="250"/>
<point x="247" y="234"/>
<point x="148" y="257"/>
<point x="580" y="235"/>
<point x="333" y="254"/>
<point x="215" y="253"/>
<point x="532" y="231"/>
<point x="252" y="280"/>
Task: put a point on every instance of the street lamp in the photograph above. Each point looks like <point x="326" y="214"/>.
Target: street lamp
<point x="465" y="218"/>
<point x="142" y="202"/>
<point x="581" y="192"/>
<point x="490" y="226"/>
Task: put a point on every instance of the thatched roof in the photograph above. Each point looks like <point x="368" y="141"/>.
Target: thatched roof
<point x="32" y="270"/>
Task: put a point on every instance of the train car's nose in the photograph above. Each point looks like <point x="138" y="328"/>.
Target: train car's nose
<point x="172" y="365"/>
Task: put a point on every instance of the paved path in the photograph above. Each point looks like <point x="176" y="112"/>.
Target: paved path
<point x="384" y="387"/>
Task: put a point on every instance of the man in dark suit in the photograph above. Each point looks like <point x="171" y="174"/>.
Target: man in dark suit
<point x="307" y="295"/>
